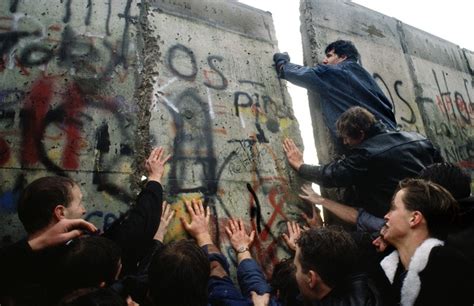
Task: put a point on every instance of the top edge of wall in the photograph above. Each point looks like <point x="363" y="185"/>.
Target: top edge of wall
<point x="227" y="14"/>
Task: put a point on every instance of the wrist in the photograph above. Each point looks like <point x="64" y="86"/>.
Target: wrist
<point x="203" y="239"/>
<point x="36" y="244"/>
<point x="155" y="178"/>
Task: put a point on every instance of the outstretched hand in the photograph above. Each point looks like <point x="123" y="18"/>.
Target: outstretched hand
<point x="61" y="232"/>
<point x="155" y="164"/>
<point x="166" y="218"/>
<point x="309" y="195"/>
<point x="198" y="228"/>
<point x="239" y="239"/>
<point x="293" y="154"/>
<point x="294" y="233"/>
<point x="316" y="221"/>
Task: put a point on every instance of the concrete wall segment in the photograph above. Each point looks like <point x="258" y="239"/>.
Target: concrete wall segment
<point x="87" y="90"/>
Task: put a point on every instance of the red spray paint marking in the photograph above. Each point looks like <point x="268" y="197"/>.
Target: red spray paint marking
<point x="35" y="108"/>
<point x="74" y="105"/>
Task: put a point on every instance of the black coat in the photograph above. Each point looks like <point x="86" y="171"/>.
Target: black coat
<point x="357" y="290"/>
<point x="375" y="167"/>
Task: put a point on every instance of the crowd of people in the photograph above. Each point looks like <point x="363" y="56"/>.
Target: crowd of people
<point x="409" y="239"/>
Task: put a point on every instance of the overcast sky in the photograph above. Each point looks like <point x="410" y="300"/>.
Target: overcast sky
<point x="452" y="20"/>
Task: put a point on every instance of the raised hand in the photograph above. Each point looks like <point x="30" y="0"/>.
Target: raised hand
<point x="166" y="218"/>
<point x="315" y="221"/>
<point x="309" y="195"/>
<point x="155" y="164"/>
<point x="293" y="154"/>
<point x="198" y="228"/>
<point x="239" y="239"/>
<point x="294" y="232"/>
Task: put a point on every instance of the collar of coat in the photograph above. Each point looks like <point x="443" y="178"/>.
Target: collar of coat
<point x="411" y="283"/>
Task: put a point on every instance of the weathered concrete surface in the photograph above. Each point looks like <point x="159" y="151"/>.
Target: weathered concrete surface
<point x="429" y="80"/>
<point x="87" y="90"/>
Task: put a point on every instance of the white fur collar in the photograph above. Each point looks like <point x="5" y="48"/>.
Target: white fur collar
<point x="411" y="283"/>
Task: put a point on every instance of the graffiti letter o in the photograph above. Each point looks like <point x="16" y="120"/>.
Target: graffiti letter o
<point x="170" y="61"/>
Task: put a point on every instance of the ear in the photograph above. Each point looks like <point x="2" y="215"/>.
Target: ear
<point x="343" y="57"/>
<point x="59" y="212"/>
<point x="313" y="278"/>
<point x="362" y="136"/>
<point x="416" y="218"/>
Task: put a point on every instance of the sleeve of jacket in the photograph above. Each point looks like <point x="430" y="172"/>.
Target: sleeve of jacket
<point x="134" y="234"/>
<point x="251" y="278"/>
<point x="307" y="77"/>
<point x="339" y="173"/>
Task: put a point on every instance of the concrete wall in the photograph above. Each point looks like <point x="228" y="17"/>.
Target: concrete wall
<point x="88" y="87"/>
<point x="429" y="80"/>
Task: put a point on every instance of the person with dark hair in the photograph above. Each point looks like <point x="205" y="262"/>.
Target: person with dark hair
<point x="325" y="262"/>
<point x="283" y="283"/>
<point x="422" y="270"/>
<point x="377" y="160"/>
<point x="179" y="274"/>
<point x="93" y="297"/>
<point x="91" y="261"/>
<point x="340" y="82"/>
<point x="47" y="200"/>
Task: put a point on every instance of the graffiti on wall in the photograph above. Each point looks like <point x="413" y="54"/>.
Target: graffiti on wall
<point x="211" y="156"/>
<point x="62" y="107"/>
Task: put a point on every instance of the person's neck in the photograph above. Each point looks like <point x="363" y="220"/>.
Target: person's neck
<point x="321" y="292"/>
<point x="40" y="232"/>
<point x="407" y="247"/>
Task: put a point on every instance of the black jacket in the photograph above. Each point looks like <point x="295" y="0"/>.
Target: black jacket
<point x="357" y="290"/>
<point x="30" y="277"/>
<point x="135" y="230"/>
<point x="375" y="167"/>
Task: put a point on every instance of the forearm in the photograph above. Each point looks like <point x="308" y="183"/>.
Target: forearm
<point x="346" y="213"/>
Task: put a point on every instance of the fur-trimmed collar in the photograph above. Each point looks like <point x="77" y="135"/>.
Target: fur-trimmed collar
<point x="411" y="283"/>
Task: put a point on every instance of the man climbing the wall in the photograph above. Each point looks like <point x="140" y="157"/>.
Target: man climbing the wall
<point x="341" y="83"/>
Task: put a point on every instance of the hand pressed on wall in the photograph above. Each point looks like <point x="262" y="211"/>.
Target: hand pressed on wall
<point x="239" y="239"/>
<point x="293" y="154"/>
<point x="198" y="228"/>
<point x="155" y="164"/>
<point x="294" y="233"/>
<point x="166" y="218"/>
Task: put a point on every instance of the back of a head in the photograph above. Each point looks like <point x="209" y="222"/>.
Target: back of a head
<point x="435" y="203"/>
<point x="88" y="262"/>
<point x="330" y="251"/>
<point x="179" y="274"/>
<point x="344" y="47"/>
<point x="453" y="178"/>
<point x="354" y="120"/>
<point x="93" y="297"/>
<point x="38" y="200"/>
<point x="284" y="283"/>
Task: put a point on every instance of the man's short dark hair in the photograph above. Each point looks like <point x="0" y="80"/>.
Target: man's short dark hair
<point x="93" y="297"/>
<point x="87" y="262"/>
<point x="179" y="274"/>
<point x="343" y="47"/>
<point x="329" y="251"/>
<point x="354" y="120"/>
<point x="435" y="203"/>
<point x="455" y="179"/>
<point x="283" y="282"/>
<point x="38" y="200"/>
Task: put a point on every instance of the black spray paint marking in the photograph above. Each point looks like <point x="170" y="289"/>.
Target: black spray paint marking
<point x="67" y="15"/>
<point x="89" y="12"/>
<point x="13" y="5"/>
<point x="214" y="68"/>
<point x="255" y="211"/>
<point x="172" y="54"/>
